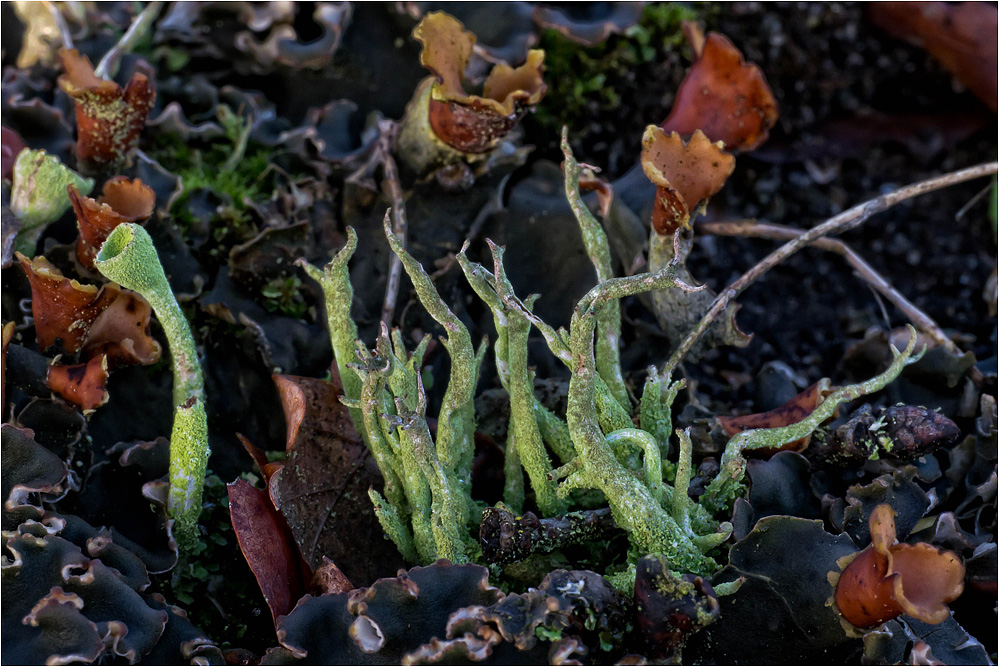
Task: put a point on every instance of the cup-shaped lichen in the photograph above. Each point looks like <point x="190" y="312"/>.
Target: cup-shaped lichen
<point x="129" y="258"/>
<point x="38" y="194"/>
<point x="888" y="578"/>
<point x="124" y="200"/>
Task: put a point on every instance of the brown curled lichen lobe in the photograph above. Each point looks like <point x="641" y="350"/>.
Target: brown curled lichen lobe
<point x="473" y="123"/>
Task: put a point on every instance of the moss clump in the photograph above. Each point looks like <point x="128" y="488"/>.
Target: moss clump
<point x="587" y="82"/>
<point x="232" y="167"/>
<point x="284" y="295"/>
<point x="240" y="173"/>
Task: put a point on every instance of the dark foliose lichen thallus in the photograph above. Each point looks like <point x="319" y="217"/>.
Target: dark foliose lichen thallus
<point x="444" y="124"/>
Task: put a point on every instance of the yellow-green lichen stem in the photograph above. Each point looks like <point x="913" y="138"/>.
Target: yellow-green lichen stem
<point x="129" y="258"/>
<point x="608" y="353"/>
<point x="634" y="507"/>
<point x="335" y="281"/>
<point x="456" y="422"/>
<point x="728" y="484"/>
<point x="644" y="441"/>
<point x="684" y="470"/>
<point x="524" y="441"/>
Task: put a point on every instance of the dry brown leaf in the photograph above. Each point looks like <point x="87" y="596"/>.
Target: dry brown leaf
<point x="268" y="547"/>
<point x="322" y="489"/>
<point x="789" y="413"/>
<point x="722" y="95"/>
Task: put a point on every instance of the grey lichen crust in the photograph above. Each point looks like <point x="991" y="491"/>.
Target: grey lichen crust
<point x="427" y="509"/>
<point x="129" y="258"/>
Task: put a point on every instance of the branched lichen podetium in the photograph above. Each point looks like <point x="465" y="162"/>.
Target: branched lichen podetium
<point x="427" y="508"/>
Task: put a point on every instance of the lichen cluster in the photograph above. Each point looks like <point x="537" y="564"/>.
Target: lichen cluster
<point x="427" y="508"/>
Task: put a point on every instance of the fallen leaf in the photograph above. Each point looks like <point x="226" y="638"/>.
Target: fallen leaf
<point x="267" y="468"/>
<point x="960" y="35"/>
<point x="322" y="490"/>
<point x="268" y="547"/>
<point x="722" y="95"/>
<point x="330" y="580"/>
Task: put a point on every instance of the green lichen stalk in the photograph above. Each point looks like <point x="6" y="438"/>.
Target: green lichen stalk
<point x="729" y="482"/>
<point x="636" y="506"/>
<point x="335" y="281"/>
<point x="427" y="508"/>
<point x="608" y="354"/>
<point x="525" y="444"/>
<point x="455" y="443"/>
<point x="129" y="258"/>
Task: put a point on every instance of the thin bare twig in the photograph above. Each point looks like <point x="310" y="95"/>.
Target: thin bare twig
<point x="60" y="21"/>
<point x="971" y="202"/>
<point x="845" y="221"/>
<point x="108" y="66"/>
<point x="865" y="271"/>
<point x="393" y="189"/>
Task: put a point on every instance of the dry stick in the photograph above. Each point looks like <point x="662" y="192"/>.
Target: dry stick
<point x="864" y="270"/>
<point x="60" y="21"/>
<point x="108" y="66"/>
<point x="390" y="182"/>
<point x="846" y="220"/>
